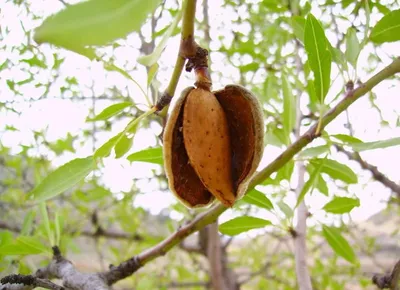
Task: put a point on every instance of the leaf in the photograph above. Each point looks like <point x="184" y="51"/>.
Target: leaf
<point x="387" y="29"/>
<point x="123" y="146"/>
<point x="289" y="107"/>
<point x="46" y="222"/>
<point x="322" y="186"/>
<point x="285" y="209"/>
<point x="310" y="184"/>
<point x="242" y="224"/>
<point x="376" y="144"/>
<point x="111" y="111"/>
<point x="347" y="138"/>
<point x="150" y="155"/>
<point x="94" y="22"/>
<point x="257" y="198"/>
<point x="340" y="205"/>
<point x="28" y="222"/>
<point x="338" y="243"/>
<point x="105" y="149"/>
<point x="63" y="178"/>
<point x="336" y="170"/>
<point x="151" y="74"/>
<point x="339" y="58"/>
<point x="314" y="151"/>
<point x="24" y="245"/>
<point x="151" y="59"/>
<point x="298" y="24"/>
<point x="319" y="56"/>
<point x="353" y="47"/>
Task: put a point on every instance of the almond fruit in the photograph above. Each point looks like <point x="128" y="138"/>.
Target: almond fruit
<point x="213" y="143"/>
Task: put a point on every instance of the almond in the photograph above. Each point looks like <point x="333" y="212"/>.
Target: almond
<point x="213" y="143"/>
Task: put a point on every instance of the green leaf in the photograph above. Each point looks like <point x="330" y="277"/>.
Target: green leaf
<point x="340" y="205"/>
<point x="322" y="186"/>
<point x="105" y="149"/>
<point x="376" y="144"/>
<point x="111" y="111"/>
<point x="152" y="58"/>
<point x="353" y="47"/>
<point x="338" y="243"/>
<point x="289" y="107"/>
<point x="151" y="74"/>
<point x="314" y="151"/>
<point x="336" y="170"/>
<point x="58" y="227"/>
<point x="150" y="155"/>
<point x="63" y="178"/>
<point x="387" y="29"/>
<point x="258" y="198"/>
<point x="310" y="184"/>
<point x="94" y="22"/>
<point x="347" y="138"/>
<point x="242" y="224"/>
<point x="339" y="58"/>
<point x="24" y="246"/>
<point x="28" y="222"/>
<point x="123" y="146"/>
<point x="319" y="56"/>
<point x="298" y="24"/>
<point x="285" y="209"/>
<point x="46" y="222"/>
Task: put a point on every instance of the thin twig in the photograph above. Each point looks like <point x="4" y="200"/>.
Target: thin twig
<point x="378" y="176"/>
<point x="390" y="281"/>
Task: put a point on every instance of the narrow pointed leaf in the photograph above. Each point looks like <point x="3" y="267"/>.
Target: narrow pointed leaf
<point x="336" y="170"/>
<point x="387" y="29"/>
<point x="111" y="111"/>
<point x="298" y="24"/>
<point x="314" y="151"/>
<point x="347" y="138"/>
<point x="340" y="205"/>
<point x="123" y="146"/>
<point x="63" y="178"/>
<point x="319" y="56"/>
<point x="94" y="22"/>
<point x="242" y="224"/>
<point x="353" y="47"/>
<point x="289" y="107"/>
<point x="150" y="155"/>
<point x="338" y="243"/>
<point x="376" y="144"/>
<point x="105" y="149"/>
<point x="258" y="198"/>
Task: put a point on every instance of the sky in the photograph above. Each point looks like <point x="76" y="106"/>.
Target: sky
<point x="63" y="116"/>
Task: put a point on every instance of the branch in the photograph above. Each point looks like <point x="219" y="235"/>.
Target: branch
<point x="300" y="238"/>
<point x="25" y="282"/>
<point x="187" y="49"/>
<point x="59" y="268"/>
<point x="130" y="266"/>
<point x="378" y="176"/>
<point x="390" y="281"/>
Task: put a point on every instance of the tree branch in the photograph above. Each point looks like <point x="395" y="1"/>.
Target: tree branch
<point x="378" y="176"/>
<point x="390" y="281"/>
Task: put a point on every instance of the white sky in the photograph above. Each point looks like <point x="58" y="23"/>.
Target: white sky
<point x="63" y="116"/>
